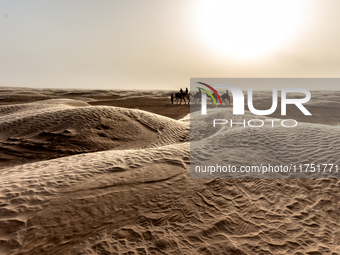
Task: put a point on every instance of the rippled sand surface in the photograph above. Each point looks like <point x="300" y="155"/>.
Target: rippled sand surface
<point x="81" y="177"/>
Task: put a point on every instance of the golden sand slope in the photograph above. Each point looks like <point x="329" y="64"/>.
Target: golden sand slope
<point x="144" y="202"/>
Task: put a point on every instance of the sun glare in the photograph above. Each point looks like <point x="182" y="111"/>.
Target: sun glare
<point x="248" y="29"/>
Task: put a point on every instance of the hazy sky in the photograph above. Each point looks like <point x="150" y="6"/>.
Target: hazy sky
<point x="161" y="44"/>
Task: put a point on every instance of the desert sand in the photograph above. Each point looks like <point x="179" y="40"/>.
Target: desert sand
<point x="108" y="172"/>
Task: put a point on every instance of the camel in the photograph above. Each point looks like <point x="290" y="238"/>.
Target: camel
<point x="186" y="96"/>
<point x="197" y="97"/>
<point x="223" y="98"/>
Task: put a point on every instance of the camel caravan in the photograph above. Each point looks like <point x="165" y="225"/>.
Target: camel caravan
<point x="181" y="95"/>
<point x="196" y="98"/>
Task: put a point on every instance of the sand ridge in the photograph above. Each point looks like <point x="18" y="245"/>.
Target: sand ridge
<point x="147" y="202"/>
<point x="61" y="127"/>
<point x="128" y="188"/>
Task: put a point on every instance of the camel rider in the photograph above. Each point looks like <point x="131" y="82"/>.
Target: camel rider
<point x="181" y="91"/>
<point x="186" y="91"/>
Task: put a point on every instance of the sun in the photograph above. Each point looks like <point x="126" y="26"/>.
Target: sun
<point x="247" y="29"/>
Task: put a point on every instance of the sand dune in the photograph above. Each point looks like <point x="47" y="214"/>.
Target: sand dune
<point x="271" y="144"/>
<point x="55" y="204"/>
<point x="61" y="127"/>
<point x="144" y="201"/>
<point x="129" y="190"/>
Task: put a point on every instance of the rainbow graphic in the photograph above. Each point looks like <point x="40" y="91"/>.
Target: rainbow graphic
<point x="212" y="89"/>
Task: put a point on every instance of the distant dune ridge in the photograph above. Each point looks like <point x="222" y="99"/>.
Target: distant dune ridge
<point x="128" y="190"/>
